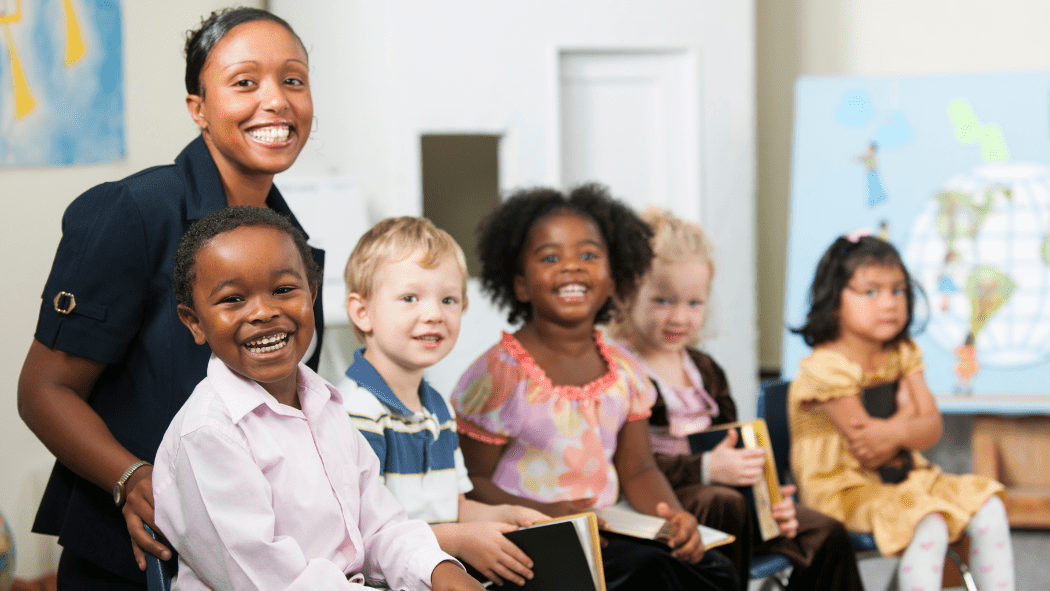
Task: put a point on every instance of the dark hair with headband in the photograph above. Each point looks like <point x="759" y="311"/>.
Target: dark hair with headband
<point x="199" y="42"/>
<point x="834" y="272"/>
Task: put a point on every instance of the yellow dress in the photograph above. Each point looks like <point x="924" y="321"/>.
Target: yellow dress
<point x="832" y="481"/>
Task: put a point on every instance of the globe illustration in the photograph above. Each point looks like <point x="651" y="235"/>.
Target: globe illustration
<point x="7" y="556"/>
<point x="980" y="250"/>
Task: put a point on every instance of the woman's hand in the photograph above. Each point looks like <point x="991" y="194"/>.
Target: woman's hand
<point x="138" y="509"/>
<point x="685" y="540"/>
<point x="448" y="576"/>
<point x="735" y="467"/>
<point x="483" y="545"/>
<point x="873" y="441"/>
<point x="784" y="512"/>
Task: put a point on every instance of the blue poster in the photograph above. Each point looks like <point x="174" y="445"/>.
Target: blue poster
<point x="61" y="82"/>
<point x="955" y="172"/>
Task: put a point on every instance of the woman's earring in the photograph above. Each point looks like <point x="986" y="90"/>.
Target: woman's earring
<point x="313" y="127"/>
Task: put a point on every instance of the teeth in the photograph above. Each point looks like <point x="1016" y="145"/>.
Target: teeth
<point x="573" y="289"/>
<point x="272" y="134"/>
<point x="429" y="338"/>
<point x="267" y="344"/>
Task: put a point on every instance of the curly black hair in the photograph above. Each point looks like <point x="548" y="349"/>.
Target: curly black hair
<point x="834" y="271"/>
<point x="502" y="235"/>
<point x="230" y="218"/>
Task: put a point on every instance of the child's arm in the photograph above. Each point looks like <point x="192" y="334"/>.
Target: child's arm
<point x="916" y="426"/>
<point x="215" y="507"/>
<point x="649" y="492"/>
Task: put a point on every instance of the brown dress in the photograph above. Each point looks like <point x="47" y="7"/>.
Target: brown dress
<point x="832" y="480"/>
<point x="821" y="553"/>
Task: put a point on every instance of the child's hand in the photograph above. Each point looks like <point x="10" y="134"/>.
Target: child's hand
<point x="685" y="541"/>
<point x="873" y="441"/>
<point x="735" y="467"/>
<point x="483" y="545"/>
<point x="447" y="576"/>
<point x="563" y="508"/>
<point x="519" y="515"/>
<point x="784" y="512"/>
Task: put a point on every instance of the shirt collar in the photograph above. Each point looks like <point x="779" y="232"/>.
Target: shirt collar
<point x="364" y="373"/>
<point x="206" y="194"/>
<point x="243" y="395"/>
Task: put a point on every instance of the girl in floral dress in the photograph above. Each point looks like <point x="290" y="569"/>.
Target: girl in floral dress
<point x="553" y="418"/>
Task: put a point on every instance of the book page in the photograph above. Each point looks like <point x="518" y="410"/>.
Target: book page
<point x="583" y="529"/>
<point x="621" y="518"/>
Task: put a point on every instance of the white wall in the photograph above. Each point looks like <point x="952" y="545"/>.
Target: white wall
<point x="476" y="66"/>
<point x="157" y="128"/>
<point x="865" y="37"/>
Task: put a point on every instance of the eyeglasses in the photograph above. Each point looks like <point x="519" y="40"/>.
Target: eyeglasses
<point x="897" y="291"/>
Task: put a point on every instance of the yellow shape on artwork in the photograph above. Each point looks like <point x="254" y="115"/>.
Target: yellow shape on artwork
<point x="24" y="102"/>
<point x="12" y="17"/>
<point x="74" y="40"/>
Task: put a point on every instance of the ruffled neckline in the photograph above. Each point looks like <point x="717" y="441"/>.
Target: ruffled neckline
<point x="590" y="391"/>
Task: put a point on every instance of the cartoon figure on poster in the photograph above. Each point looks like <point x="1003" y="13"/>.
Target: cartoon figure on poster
<point x="953" y="170"/>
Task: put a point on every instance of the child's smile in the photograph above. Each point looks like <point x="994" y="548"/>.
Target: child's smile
<point x="566" y="268"/>
<point x="253" y="305"/>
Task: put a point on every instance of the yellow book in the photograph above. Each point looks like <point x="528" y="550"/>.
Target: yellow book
<point x="766" y="492"/>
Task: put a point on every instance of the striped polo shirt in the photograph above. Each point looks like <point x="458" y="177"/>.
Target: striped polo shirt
<point x="418" y="453"/>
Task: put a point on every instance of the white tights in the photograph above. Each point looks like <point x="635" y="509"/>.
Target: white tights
<point x="991" y="554"/>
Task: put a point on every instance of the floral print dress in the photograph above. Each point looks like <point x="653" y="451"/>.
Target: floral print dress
<point x="560" y="439"/>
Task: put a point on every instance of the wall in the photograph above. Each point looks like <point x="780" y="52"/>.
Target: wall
<point x="473" y="66"/>
<point x="864" y="37"/>
<point x="157" y="129"/>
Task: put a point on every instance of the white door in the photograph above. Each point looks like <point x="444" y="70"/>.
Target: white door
<point x="629" y="119"/>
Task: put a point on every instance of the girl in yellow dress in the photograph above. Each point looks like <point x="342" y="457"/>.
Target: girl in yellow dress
<point x="861" y="308"/>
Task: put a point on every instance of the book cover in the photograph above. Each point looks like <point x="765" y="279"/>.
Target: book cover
<point x="766" y="492"/>
<point x="565" y="552"/>
<point x="881" y="403"/>
<point x="621" y="519"/>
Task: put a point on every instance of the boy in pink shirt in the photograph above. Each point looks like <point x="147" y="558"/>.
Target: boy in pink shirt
<point x="261" y="482"/>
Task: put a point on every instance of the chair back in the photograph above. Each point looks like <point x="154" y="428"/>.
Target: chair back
<point x="158" y="572"/>
<point x="772" y="406"/>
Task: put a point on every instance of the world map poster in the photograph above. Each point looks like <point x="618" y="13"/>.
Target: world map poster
<point x="61" y="82"/>
<point x="955" y="172"/>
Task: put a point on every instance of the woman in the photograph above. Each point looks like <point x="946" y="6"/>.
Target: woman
<point x="110" y="364"/>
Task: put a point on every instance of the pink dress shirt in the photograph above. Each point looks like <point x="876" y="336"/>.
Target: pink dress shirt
<point x="257" y="495"/>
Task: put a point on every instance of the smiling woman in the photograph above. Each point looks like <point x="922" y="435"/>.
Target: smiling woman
<point x="111" y="364"/>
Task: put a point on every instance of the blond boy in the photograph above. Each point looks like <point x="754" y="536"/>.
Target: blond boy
<point x="406" y="285"/>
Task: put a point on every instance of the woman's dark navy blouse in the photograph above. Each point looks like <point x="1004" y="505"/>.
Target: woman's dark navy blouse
<point x="110" y="297"/>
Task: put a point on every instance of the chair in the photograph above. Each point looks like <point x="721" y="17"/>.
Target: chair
<point x="774" y="568"/>
<point x="772" y="406"/>
<point x="158" y="572"/>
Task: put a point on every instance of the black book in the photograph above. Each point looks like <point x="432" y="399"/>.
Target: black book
<point x="881" y="403"/>
<point x="565" y="552"/>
